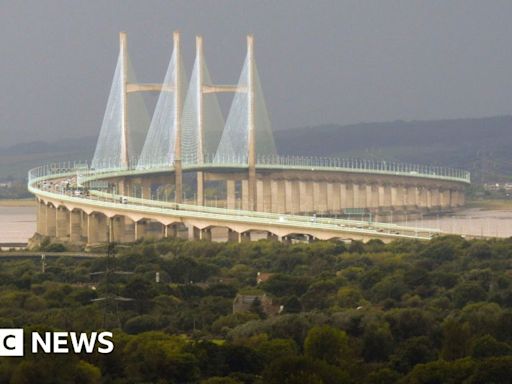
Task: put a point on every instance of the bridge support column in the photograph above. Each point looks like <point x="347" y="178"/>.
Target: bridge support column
<point x="141" y="228"/>
<point x="459" y="198"/>
<point x="381" y="194"/>
<point x="333" y="197"/>
<point x="62" y="224"/>
<point x="129" y="230"/>
<point x="200" y="188"/>
<point x="271" y="236"/>
<point x="267" y="195"/>
<point x="397" y="196"/>
<point x="388" y="196"/>
<point x="374" y="196"/>
<point x="206" y="234"/>
<point x="194" y="233"/>
<point x="412" y="196"/>
<point x="436" y="201"/>
<point x="84" y="217"/>
<point x="367" y="193"/>
<point x="306" y="197"/>
<point x="288" y="196"/>
<point x="350" y="192"/>
<point x="245" y="236"/>
<point x="155" y="230"/>
<point x="51" y="225"/>
<point x="422" y="197"/>
<point x="170" y="231"/>
<point x="428" y="197"/>
<point x="278" y="196"/>
<point x="245" y="194"/>
<point x="41" y="217"/>
<point x="320" y="196"/>
<point x="146" y="189"/>
<point x="75" y="226"/>
<point x="359" y="192"/>
<point x="294" y="200"/>
<point x="343" y="196"/>
<point x="233" y="236"/>
<point x="122" y="186"/>
<point x="259" y="196"/>
<point x="230" y="194"/>
<point x="97" y="231"/>
<point x="444" y="198"/>
<point x="117" y="229"/>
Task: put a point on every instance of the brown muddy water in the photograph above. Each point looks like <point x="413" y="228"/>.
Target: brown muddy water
<point x="18" y="224"/>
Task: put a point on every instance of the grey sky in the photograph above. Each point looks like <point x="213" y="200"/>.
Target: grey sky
<point x="319" y="61"/>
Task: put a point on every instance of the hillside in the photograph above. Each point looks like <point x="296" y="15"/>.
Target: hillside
<point x="15" y="161"/>
<point x="479" y="145"/>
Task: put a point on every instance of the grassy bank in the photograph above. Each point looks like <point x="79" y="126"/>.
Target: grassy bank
<point x="17" y="203"/>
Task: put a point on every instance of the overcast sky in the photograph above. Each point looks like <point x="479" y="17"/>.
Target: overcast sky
<point x="319" y="61"/>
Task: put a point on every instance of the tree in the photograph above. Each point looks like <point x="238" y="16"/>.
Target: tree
<point x="488" y="346"/>
<point x="409" y="322"/>
<point x="468" y="292"/>
<point x="377" y="342"/>
<point x="220" y="380"/>
<point x="303" y="370"/>
<point x="440" y="371"/>
<point x="142" y="292"/>
<point x="327" y="344"/>
<point x="349" y="297"/>
<point x="284" y="285"/>
<point x="456" y="338"/>
<point x="413" y="351"/>
<point x="495" y="370"/>
<point x="276" y="348"/>
<point x="479" y="250"/>
<point x="151" y="356"/>
<point x="383" y="376"/>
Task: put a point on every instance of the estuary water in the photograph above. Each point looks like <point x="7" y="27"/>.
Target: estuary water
<point x="17" y="224"/>
<point x="474" y="221"/>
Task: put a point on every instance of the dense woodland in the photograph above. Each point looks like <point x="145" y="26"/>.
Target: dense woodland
<point x="405" y="312"/>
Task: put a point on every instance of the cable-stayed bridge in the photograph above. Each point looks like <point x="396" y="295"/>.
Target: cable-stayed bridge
<point x="188" y="165"/>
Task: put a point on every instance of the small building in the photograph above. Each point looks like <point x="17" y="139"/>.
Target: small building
<point x="244" y="303"/>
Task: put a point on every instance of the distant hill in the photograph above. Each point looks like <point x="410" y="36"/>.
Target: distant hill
<point x="15" y="161"/>
<point x="482" y="145"/>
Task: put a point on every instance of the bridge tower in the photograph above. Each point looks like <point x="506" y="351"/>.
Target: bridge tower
<point x="162" y="141"/>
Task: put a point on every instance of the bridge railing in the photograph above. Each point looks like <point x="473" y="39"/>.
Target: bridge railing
<point x="364" y="165"/>
<point x="263" y="161"/>
<point x="54" y="169"/>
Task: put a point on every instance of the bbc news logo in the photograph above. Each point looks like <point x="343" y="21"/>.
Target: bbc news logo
<point x="12" y="342"/>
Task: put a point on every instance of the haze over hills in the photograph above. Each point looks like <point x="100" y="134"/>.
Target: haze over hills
<point x="480" y="145"/>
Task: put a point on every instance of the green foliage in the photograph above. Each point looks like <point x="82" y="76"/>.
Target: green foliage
<point x="327" y="344"/>
<point x="488" y="346"/>
<point x="303" y="370"/>
<point x="404" y="312"/>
